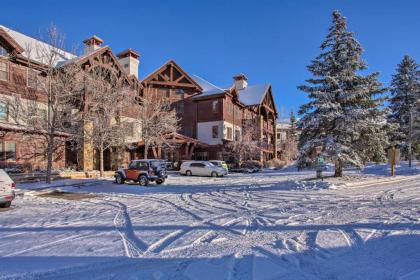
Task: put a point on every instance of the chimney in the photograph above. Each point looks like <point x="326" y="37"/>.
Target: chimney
<point x="129" y="59"/>
<point x="92" y="44"/>
<point x="241" y="81"/>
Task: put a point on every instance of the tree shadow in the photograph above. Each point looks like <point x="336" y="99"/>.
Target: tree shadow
<point x="387" y="257"/>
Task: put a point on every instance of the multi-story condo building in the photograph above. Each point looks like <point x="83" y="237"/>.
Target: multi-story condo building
<point x="210" y="116"/>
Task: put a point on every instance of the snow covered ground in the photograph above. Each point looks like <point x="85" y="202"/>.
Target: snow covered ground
<point x="270" y="225"/>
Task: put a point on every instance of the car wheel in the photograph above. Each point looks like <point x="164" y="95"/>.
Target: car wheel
<point x="214" y="174"/>
<point x="6" y="204"/>
<point x="160" y="181"/>
<point x="143" y="181"/>
<point x="119" y="179"/>
<point x="188" y="173"/>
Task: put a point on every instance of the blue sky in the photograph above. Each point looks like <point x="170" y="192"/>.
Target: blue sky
<point x="269" y="41"/>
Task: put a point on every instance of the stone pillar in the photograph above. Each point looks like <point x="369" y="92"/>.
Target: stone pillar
<point x="86" y="153"/>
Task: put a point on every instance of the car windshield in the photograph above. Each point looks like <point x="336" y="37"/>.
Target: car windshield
<point x="215" y="163"/>
<point x="209" y="164"/>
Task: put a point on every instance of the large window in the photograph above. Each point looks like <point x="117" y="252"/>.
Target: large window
<point x="8" y="151"/>
<point x="4" y="71"/>
<point x="229" y="133"/>
<point x="214" y="106"/>
<point x="3" y="111"/>
<point x="215" y="131"/>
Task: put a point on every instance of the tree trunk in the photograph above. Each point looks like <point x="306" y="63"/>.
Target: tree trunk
<point x="101" y="161"/>
<point x="146" y="149"/>
<point x="50" y="151"/>
<point x="338" y="169"/>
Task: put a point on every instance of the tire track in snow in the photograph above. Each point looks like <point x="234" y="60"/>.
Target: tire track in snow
<point x="133" y="246"/>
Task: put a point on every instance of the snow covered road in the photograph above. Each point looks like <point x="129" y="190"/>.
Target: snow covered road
<point x="259" y="226"/>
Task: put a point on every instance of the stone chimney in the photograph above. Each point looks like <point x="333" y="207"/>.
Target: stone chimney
<point x="129" y="60"/>
<point x="92" y="44"/>
<point x="241" y="81"/>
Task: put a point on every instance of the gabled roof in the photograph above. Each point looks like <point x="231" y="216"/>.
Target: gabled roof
<point x="26" y="42"/>
<point x="184" y="76"/>
<point x="84" y="57"/>
<point x="253" y="95"/>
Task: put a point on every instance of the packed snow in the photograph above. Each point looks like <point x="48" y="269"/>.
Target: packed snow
<point x="269" y="225"/>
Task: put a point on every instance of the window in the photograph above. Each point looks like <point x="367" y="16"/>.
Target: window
<point x="142" y="165"/>
<point x="215" y="131"/>
<point x="3" y="111"/>
<point x="237" y="134"/>
<point x="4" y="71"/>
<point x="214" y="106"/>
<point x="180" y="107"/>
<point x="229" y="133"/>
<point x="198" y="164"/>
<point x="202" y="156"/>
<point x="130" y="129"/>
<point x="8" y="151"/>
<point x="3" y="51"/>
<point x="32" y="78"/>
<point x="230" y="108"/>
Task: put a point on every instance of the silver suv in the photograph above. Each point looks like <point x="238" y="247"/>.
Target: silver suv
<point x="7" y="190"/>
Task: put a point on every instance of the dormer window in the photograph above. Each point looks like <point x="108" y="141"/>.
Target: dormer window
<point x="3" y="51"/>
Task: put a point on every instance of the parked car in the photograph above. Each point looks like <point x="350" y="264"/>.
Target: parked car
<point x="143" y="172"/>
<point x="7" y="190"/>
<point x="201" y="168"/>
<point x="220" y="163"/>
<point x="253" y="165"/>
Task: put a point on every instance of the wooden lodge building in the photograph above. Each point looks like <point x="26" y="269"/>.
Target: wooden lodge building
<point x="210" y="116"/>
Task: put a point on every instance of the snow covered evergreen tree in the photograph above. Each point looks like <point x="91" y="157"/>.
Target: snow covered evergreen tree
<point x="342" y="118"/>
<point x="293" y="133"/>
<point x="405" y="93"/>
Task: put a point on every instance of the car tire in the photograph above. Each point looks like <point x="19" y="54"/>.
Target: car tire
<point x="6" y="204"/>
<point x="143" y="181"/>
<point x="160" y="181"/>
<point x="188" y="173"/>
<point x="214" y="174"/>
<point x="119" y="179"/>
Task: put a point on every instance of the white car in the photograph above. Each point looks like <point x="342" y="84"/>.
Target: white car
<point x="7" y="190"/>
<point x="201" y="168"/>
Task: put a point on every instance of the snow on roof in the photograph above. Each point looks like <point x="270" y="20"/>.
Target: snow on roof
<point x="253" y="95"/>
<point x="208" y="88"/>
<point x="36" y="47"/>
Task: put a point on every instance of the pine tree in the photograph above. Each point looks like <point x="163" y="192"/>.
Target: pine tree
<point x="293" y="133"/>
<point x="405" y="93"/>
<point x="343" y="107"/>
